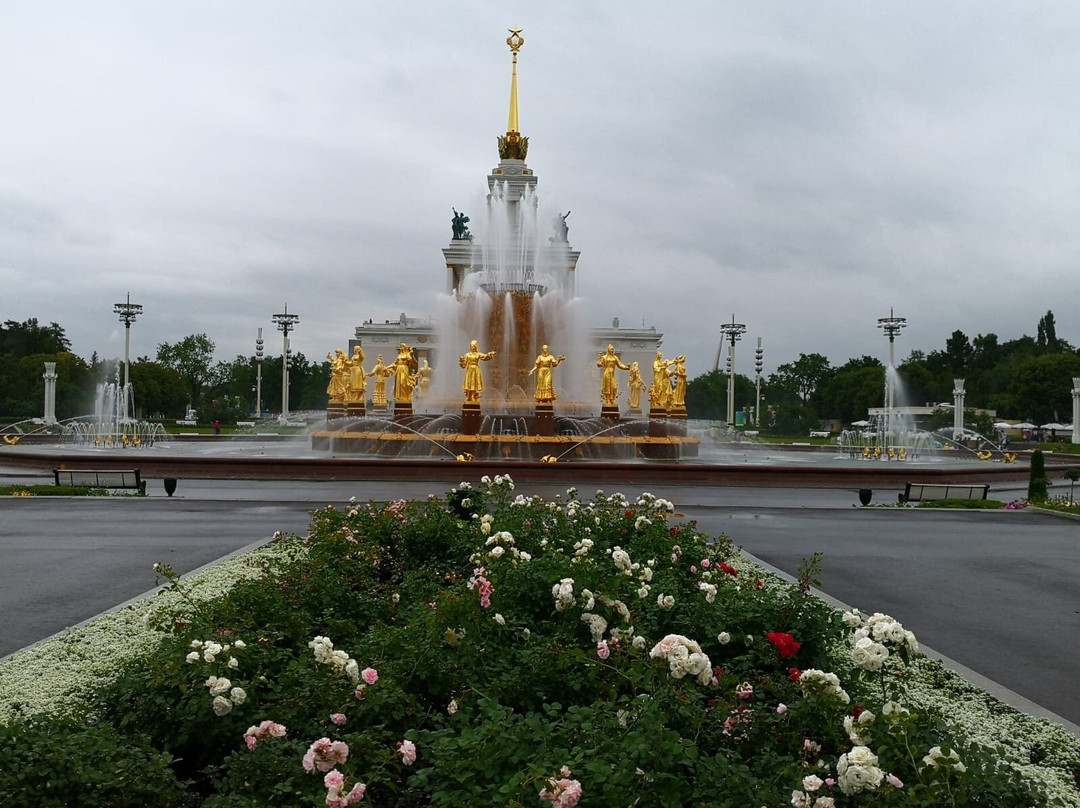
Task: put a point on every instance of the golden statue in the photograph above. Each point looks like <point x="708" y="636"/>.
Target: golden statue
<point x="609" y="386"/>
<point x="423" y="379"/>
<point x="660" y="392"/>
<point x="636" y="385"/>
<point x="473" y="383"/>
<point x="404" y="379"/>
<point x="356" y="388"/>
<point x="337" y="386"/>
<point x="381" y="373"/>
<point x="545" y="389"/>
<point x="678" y="394"/>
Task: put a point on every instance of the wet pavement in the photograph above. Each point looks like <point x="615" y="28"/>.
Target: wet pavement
<point x="998" y="592"/>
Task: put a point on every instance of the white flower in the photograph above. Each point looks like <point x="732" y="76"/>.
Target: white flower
<point x="221" y="706"/>
<point x="497" y="551"/>
<point x="812" y="782"/>
<point x="665" y="602"/>
<point x="234" y="662"/>
<point x="218" y="685"/>
<point x="237" y="695"/>
<point x="194" y="656"/>
<point x="869" y="655"/>
<point x="240" y="644"/>
<point x="621" y="559"/>
<point x="597" y="625"/>
<point x="500" y="619"/>
<point x="723" y="638"/>
<point x="643" y="591"/>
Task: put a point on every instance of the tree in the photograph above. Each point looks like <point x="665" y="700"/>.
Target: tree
<point x="1042" y="388"/>
<point x="803" y="376"/>
<point x="706" y="395"/>
<point x="159" y="391"/>
<point x="854" y="388"/>
<point x="28" y="338"/>
<point x="191" y="358"/>
<point x="1038" y="482"/>
<point x="1046" y="337"/>
<point x="958" y="352"/>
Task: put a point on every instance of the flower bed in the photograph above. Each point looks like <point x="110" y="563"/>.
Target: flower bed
<point x="491" y="649"/>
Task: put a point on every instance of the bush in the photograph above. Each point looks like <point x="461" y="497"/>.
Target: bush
<point x="1038" y="482"/>
<point x="521" y="648"/>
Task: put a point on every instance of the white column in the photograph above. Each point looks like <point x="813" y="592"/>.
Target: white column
<point x="50" y="392"/>
<point x="958" y="409"/>
<point x="1076" y="409"/>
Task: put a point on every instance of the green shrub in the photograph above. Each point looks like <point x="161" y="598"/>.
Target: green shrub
<point x="1038" y="482"/>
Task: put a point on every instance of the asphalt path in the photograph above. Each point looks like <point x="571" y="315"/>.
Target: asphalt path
<point x="998" y="592"/>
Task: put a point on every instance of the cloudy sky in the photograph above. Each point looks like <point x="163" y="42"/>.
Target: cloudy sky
<point x="803" y="166"/>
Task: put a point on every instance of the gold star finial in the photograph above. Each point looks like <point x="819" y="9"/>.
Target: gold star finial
<point x="515" y="40"/>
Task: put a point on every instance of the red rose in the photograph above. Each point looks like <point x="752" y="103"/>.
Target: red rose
<point x="785" y="643"/>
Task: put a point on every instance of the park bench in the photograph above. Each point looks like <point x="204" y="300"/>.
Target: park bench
<point x="930" y="492"/>
<point x="90" y="478"/>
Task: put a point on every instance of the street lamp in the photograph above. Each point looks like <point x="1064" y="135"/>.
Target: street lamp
<point x="128" y="312"/>
<point x="258" y="374"/>
<point x="733" y="331"/>
<point x="285" y="322"/>
<point x="891" y="326"/>
<point x="759" y="363"/>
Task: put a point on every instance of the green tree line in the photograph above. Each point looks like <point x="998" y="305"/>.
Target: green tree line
<point x="1027" y="378"/>
<point x="180" y="375"/>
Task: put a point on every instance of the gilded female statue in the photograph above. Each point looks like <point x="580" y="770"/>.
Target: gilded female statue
<point x="357" y="384"/>
<point x="473" y="384"/>
<point x="423" y="379"/>
<point x="404" y="379"/>
<point x="381" y="373"/>
<point x="337" y="386"/>
<point x="636" y="385"/>
<point x="609" y="386"/>
<point x="545" y="362"/>
<point x="660" y="392"/>
<point x="678" y="394"/>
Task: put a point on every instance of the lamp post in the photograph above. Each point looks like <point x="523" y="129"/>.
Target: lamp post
<point x="759" y="363"/>
<point x="732" y="331"/>
<point x="285" y="322"/>
<point x="128" y="312"/>
<point x="258" y="374"/>
<point x="890" y="326"/>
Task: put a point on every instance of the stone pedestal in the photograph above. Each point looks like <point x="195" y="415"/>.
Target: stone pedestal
<point x="402" y="410"/>
<point x="470" y="418"/>
<point x="335" y="410"/>
<point x="545" y="420"/>
<point x="658" y="417"/>
<point x="355" y="409"/>
<point x="676" y="422"/>
<point x="610" y="411"/>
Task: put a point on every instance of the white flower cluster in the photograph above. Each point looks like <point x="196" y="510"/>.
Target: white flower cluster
<point x="655" y="506"/>
<point x="857" y="729"/>
<point x="209" y="651"/>
<point x="815" y="682"/>
<point x="500" y="480"/>
<point x="498" y="545"/>
<point x="937" y="759"/>
<point x="857" y="771"/>
<point x="806" y="799"/>
<point x="581" y="549"/>
<point x="665" y="602"/>
<point x="872" y="639"/>
<point x="338" y="660"/>
<point x="684" y="658"/>
<point x="219" y="687"/>
<point x="563" y="592"/>
<point x="597" y="625"/>
<point x="709" y="590"/>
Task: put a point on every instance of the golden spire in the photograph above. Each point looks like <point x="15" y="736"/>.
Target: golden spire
<point x="515" y="41"/>
<point x="513" y="146"/>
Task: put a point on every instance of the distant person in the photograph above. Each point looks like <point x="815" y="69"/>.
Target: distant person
<point x="217" y="427"/>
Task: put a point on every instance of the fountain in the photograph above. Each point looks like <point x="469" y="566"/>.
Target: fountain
<point x="511" y="293"/>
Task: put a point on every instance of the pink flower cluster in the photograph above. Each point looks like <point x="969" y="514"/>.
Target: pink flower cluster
<point x="335" y="786"/>
<point x="564" y="792"/>
<point x="325" y="754"/>
<point x="483" y="586"/>
<point x="267" y="729"/>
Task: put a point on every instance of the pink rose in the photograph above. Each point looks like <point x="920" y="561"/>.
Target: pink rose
<point x="781" y="708"/>
<point x="369" y="675"/>
<point x="338" y="718"/>
<point x="602" y="649"/>
<point x="324" y="754"/>
<point x="705" y="563"/>
<point x="250" y="740"/>
<point x="894" y="781"/>
<point x="407" y="750"/>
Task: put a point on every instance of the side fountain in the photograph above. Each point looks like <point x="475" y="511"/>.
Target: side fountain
<point x="511" y="293"/>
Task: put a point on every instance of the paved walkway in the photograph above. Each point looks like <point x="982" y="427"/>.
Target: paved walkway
<point x="990" y="590"/>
